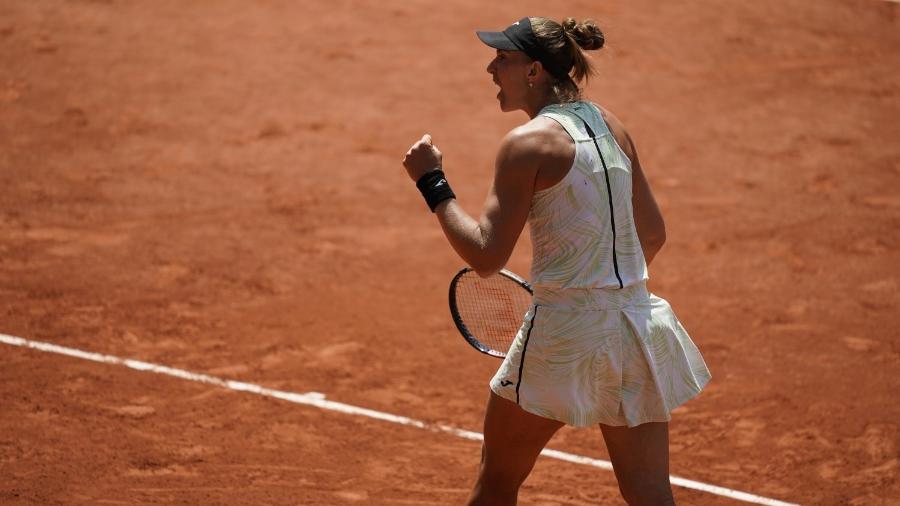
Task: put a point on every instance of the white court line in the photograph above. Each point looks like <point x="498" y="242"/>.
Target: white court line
<point x="318" y="400"/>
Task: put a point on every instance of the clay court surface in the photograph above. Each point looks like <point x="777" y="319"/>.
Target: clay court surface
<point x="216" y="186"/>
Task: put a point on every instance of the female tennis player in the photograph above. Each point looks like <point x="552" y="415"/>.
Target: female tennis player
<point x="595" y="348"/>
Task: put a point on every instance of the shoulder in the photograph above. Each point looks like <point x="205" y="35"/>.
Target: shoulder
<point x="535" y="141"/>
<point x="617" y="128"/>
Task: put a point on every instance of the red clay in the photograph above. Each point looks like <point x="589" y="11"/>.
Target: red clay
<point x="217" y="186"/>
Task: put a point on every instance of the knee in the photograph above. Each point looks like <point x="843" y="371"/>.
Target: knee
<point x="638" y="492"/>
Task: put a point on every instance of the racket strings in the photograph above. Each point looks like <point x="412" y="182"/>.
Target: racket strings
<point x="492" y="308"/>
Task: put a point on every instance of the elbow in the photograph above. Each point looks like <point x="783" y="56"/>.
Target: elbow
<point x="486" y="267"/>
<point x="490" y="256"/>
<point x="654" y="242"/>
<point x="660" y="238"/>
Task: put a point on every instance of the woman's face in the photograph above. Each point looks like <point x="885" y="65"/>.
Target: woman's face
<point x="510" y="70"/>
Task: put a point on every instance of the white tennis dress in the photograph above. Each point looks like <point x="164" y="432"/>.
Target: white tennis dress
<point x="596" y="346"/>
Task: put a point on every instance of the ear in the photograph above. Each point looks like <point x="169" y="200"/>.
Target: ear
<point x="535" y="68"/>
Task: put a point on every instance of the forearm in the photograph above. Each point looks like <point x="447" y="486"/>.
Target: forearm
<point x="484" y="244"/>
<point x="471" y="241"/>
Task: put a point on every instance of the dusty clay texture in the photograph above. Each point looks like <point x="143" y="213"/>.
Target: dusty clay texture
<point x="216" y="186"/>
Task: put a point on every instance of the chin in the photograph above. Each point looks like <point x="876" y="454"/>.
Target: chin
<point x="505" y="104"/>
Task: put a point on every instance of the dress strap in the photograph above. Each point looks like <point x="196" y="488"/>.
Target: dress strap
<point x="572" y="116"/>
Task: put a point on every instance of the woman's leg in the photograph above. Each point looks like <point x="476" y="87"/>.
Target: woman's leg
<point x="640" y="459"/>
<point x="513" y="439"/>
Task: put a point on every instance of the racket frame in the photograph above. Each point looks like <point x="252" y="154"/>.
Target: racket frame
<point x="461" y="326"/>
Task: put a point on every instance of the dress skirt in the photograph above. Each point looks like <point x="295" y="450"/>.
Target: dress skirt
<point x="587" y="356"/>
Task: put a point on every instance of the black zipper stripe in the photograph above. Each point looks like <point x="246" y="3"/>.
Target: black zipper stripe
<point x="612" y="216"/>
<point x="524" y="349"/>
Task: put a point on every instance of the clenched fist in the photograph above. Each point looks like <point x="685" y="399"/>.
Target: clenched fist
<point x="422" y="157"/>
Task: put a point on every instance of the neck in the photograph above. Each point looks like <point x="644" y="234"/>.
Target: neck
<point x="536" y="101"/>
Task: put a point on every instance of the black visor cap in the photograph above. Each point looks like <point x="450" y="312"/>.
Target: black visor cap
<point x="520" y="37"/>
<point x="517" y="37"/>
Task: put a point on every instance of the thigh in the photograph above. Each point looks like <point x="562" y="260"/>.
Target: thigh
<point x="513" y="437"/>
<point x="640" y="455"/>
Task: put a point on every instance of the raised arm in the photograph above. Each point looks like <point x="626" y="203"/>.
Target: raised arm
<point x="487" y="243"/>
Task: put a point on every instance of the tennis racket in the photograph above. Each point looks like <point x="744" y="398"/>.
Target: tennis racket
<point x="488" y="311"/>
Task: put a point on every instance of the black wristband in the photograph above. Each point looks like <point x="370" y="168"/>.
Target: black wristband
<point x="434" y="188"/>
